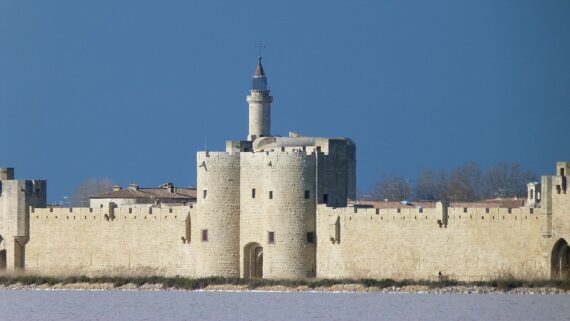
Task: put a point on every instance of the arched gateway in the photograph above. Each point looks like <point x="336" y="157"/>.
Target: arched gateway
<point x="2" y="254"/>
<point x="253" y="260"/>
<point x="560" y="262"/>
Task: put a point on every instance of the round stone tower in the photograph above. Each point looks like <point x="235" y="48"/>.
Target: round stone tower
<point x="259" y="105"/>
<point x="216" y="231"/>
<point x="277" y="214"/>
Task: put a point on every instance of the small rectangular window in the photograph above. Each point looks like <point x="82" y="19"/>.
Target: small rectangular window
<point x="270" y="195"/>
<point x="307" y="194"/>
<point x="270" y="237"/>
<point x="310" y="237"/>
<point x="510" y="210"/>
<point x="326" y="198"/>
<point x="421" y="210"/>
<point x="486" y="210"/>
<point x="204" y="235"/>
<point x="205" y="194"/>
<point x="465" y="210"/>
<point x="253" y="193"/>
<point x="532" y="211"/>
<point x="398" y="210"/>
<point x="562" y="172"/>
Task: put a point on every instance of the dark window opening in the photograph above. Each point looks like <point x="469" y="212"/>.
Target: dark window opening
<point x="531" y="192"/>
<point x="510" y="210"/>
<point x="270" y="195"/>
<point x="398" y="210"/>
<point x="205" y="194"/>
<point x="421" y="210"/>
<point x="253" y="193"/>
<point x="271" y="237"/>
<point x="465" y="210"/>
<point x="486" y="210"/>
<point x="310" y="237"/>
<point x="562" y="172"/>
<point x="326" y="198"/>
<point x="307" y="194"/>
<point x="204" y="235"/>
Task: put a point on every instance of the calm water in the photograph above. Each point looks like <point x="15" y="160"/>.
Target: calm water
<point x="162" y="306"/>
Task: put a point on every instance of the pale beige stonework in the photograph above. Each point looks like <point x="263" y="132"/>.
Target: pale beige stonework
<point x="282" y="208"/>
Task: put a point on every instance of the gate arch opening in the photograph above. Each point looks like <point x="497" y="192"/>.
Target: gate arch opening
<point x="253" y="261"/>
<point x="560" y="261"/>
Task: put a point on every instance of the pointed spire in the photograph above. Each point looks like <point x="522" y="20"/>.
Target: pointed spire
<point x="259" y="72"/>
<point x="259" y="80"/>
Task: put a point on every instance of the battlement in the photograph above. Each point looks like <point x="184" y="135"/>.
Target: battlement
<point x="437" y="215"/>
<point x="85" y="214"/>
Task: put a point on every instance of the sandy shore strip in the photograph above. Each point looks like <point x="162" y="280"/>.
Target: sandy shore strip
<point x="337" y="288"/>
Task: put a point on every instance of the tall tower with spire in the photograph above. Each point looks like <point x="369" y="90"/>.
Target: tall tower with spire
<point x="259" y="105"/>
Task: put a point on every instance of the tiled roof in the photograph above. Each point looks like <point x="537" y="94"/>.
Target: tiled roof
<point x="490" y="203"/>
<point x="151" y="193"/>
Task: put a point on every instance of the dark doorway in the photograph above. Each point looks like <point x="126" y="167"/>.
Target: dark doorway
<point x="560" y="262"/>
<point x="253" y="261"/>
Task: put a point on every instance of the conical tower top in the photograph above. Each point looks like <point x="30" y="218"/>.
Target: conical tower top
<point x="259" y="82"/>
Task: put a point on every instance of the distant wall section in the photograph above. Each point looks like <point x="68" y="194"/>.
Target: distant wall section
<point x="109" y="241"/>
<point x="477" y="243"/>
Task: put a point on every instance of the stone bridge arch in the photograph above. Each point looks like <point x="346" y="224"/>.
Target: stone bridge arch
<point x="560" y="260"/>
<point x="253" y="260"/>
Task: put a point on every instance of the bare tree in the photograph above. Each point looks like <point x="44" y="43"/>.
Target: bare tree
<point x="88" y="188"/>
<point x="466" y="183"/>
<point x="391" y="188"/>
<point x="507" y="180"/>
<point x="432" y="186"/>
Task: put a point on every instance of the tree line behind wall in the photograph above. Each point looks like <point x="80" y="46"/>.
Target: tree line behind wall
<point x="465" y="183"/>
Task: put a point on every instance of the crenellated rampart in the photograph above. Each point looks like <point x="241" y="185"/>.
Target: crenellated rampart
<point x="420" y="243"/>
<point x="109" y="241"/>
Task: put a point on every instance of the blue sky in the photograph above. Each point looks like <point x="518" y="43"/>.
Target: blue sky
<point x="130" y="90"/>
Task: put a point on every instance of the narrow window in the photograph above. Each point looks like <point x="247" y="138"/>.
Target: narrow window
<point x="271" y="237"/>
<point x="531" y="210"/>
<point x="270" y="195"/>
<point x="307" y="194"/>
<point x="486" y="210"/>
<point x="510" y="210"/>
<point x="465" y="210"/>
<point x="310" y="237"/>
<point x="204" y="235"/>
<point x="562" y="172"/>
<point x="398" y="210"/>
<point x="421" y="210"/>
<point x="253" y="193"/>
<point x="326" y="198"/>
<point x="205" y="194"/>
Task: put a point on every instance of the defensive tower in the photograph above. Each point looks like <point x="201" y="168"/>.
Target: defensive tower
<point x="259" y="105"/>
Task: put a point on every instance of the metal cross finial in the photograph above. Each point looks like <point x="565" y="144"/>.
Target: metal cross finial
<point x="260" y="46"/>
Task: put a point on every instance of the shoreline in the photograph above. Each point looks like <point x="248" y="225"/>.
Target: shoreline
<point x="337" y="288"/>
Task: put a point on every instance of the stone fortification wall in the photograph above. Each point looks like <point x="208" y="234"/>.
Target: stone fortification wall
<point x="119" y="241"/>
<point x="218" y="208"/>
<point x="16" y="196"/>
<point x="477" y="243"/>
<point x="273" y="200"/>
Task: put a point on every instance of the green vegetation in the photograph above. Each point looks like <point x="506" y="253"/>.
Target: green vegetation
<point x="505" y="284"/>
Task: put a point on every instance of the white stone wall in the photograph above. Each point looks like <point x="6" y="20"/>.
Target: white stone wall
<point x="477" y="244"/>
<point x="125" y="241"/>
